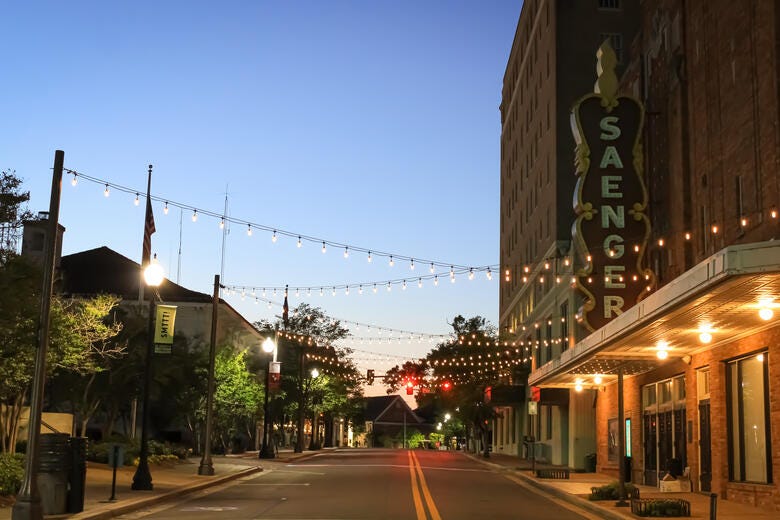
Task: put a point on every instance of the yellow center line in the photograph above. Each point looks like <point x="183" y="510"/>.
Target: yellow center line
<point x="426" y="492"/>
<point x="418" y="505"/>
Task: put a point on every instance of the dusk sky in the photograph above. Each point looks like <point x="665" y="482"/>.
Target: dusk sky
<point x="369" y="123"/>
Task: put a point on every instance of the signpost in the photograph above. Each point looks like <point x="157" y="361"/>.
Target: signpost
<point x="163" y="329"/>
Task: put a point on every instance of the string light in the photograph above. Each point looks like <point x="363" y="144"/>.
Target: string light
<point x="489" y="274"/>
<point x="369" y="257"/>
<point x="374" y="288"/>
<point x="743" y="221"/>
<point x="273" y="237"/>
<point x="137" y="201"/>
<point x="411" y="265"/>
<point x="249" y="230"/>
<point x="195" y="215"/>
<point x="346" y="252"/>
<point x="419" y="282"/>
<point x="299" y="244"/>
<point x="222" y="224"/>
<point x="324" y="249"/>
<point x="106" y="192"/>
<point x="471" y="274"/>
<point x="74" y="180"/>
<point x="392" y="263"/>
<point x="433" y="268"/>
<point x="165" y="208"/>
<point x="714" y="229"/>
<point x="436" y="280"/>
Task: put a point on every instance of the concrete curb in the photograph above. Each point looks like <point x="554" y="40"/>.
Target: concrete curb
<point x="128" y="506"/>
<point x="581" y="503"/>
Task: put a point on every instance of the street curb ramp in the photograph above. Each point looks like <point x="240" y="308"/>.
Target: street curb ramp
<point x="131" y="505"/>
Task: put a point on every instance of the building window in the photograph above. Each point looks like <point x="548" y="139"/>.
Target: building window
<point x="748" y="408"/>
<point x="564" y="326"/>
<point x="616" y="41"/>
<point x="609" y="4"/>
<point x="549" y="418"/>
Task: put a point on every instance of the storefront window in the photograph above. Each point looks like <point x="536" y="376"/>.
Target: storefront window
<point x="749" y="446"/>
<point x="665" y="390"/>
<point x="679" y="388"/>
<point x="648" y="396"/>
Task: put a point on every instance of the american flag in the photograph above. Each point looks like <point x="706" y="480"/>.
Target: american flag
<point x="149" y="229"/>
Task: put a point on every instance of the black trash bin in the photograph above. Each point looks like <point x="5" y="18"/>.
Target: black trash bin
<point x="627" y="466"/>
<point x="53" y="466"/>
<point x="77" y="476"/>
<point x="675" y="467"/>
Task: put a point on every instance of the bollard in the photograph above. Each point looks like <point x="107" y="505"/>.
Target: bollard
<point x="713" y="506"/>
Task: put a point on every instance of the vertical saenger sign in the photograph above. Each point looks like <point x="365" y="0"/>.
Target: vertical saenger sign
<point x="611" y="230"/>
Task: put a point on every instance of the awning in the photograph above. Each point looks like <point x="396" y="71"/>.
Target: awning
<point x="720" y="297"/>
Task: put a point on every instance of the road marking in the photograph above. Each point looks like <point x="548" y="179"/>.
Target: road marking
<point x="418" y="506"/>
<point x="290" y="484"/>
<point x="424" y="485"/>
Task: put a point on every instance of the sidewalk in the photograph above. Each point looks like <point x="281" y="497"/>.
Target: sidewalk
<point x="577" y="488"/>
<point x="170" y="481"/>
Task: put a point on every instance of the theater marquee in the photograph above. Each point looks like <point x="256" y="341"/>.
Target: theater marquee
<point x="611" y="230"/>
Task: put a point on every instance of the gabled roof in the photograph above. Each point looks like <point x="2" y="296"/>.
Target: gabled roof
<point x="378" y="409"/>
<point x="104" y="271"/>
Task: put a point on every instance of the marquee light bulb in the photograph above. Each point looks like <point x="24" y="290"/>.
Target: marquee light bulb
<point x="136" y="201"/>
<point x="772" y="213"/>
<point x="321" y="293"/>
<point x="334" y="290"/>
<point x="433" y="269"/>
<point x="404" y="285"/>
<point x="389" y="287"/>
<point x="360" y="289"/>
<point x="106" y="192"/>
<point x="660" y="242"/>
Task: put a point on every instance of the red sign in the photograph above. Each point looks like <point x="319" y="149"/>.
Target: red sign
<point x="274" y="376"/>
<point x="536" y="393"/>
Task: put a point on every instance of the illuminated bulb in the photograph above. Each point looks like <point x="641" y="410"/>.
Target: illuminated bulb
<point x="346" y="252"/>
<point x="566" y="261"/>
<point x="263" y="292"/>
<point x="308" y="291"/>
<point x="74" y="180"/>
<point x="321" y="291"/>
<point x="222" y="223"/>
<point x="597" y="379"/>
<point x="471" y="273"/>
<point x="374" y="288"/>
<point x="334" y="290"/>
<point x="687" y="236"/>
<point x="297" y="293"/>
<point x="705" y="337"/>
<point x="526" y="269"/>
<point x="249" y="230"/>
<point x="389" y="287"/>
<point x="346" y="291"/>
<point x="324" y="249"/>
<point x="411" y="265"/>
<point x="392" y="263"/>
<point x="578" y="387"/>
<point x="588" y="258"/>
<point x="760" y="358"/>
<point x="195" y="215"/>
<point x="273" y="237"/>
<point x="299" y="244"/>
<point x="714" y="229"/>
<point x="772" y="213"/>
<point x="489" y="274"/>
<point x="436" y="280"/>
<point x="452" y="277"/>
<point x="106" y="192"/>
<point x="165" y="208"/>
<point x="541" y="279"/>
<point x="743" y="222"/>
<point x="525" y="279"/>
<point x="547" y="265"/>
<point x="766" y="313"/>
<point x="662" y="354"/>
<point x="136" y="201"/>
<point x="433" y="269"/>
<point x="660" y="242"/>
<point x="419" y="282"/>
<point x="360" y="289"/>
<point x="404" y="285"/>
<point x="590" y="280"/>
<point x="573" y="280"/>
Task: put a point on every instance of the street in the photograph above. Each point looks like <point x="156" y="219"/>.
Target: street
<point x="370" y="484"/>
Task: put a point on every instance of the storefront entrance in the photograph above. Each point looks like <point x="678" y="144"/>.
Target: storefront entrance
<point x="664" y="429"/>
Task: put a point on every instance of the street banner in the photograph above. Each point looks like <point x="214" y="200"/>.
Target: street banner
<point x="275" y="379"/>
<point x="163" y="327"/>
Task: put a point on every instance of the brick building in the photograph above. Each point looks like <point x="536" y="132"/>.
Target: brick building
<point x="699" y="356"/>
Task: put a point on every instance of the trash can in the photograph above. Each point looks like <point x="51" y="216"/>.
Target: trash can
<point x="77" y="476"/>
<point x="53" y="466"/>
<point x="627" y="467"/>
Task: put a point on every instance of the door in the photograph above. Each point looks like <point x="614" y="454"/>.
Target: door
<point x="651" y="442"/>
<point x="705" y="446"/>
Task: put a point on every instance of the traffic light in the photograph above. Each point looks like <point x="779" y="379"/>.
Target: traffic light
<point x="409" y="388"/>
<point x="370" y="377"/>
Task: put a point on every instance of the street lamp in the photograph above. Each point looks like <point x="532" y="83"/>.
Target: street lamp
<point x="267" y="450"/>
<point x="142" y="480"/>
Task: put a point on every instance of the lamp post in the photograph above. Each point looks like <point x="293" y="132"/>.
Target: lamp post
<point x="267" y="450"/>
<point x="206" y="465"/>
<point x="142" y="480"/>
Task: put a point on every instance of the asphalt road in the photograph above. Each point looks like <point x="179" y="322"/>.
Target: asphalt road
<point x="371" y="484"/>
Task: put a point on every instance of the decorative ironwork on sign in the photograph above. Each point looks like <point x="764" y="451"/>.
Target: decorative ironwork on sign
<point x="611" y="230"/>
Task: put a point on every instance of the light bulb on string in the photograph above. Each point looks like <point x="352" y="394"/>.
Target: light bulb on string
<point x="433" y="268"/>
<point x="194" y="215"/>
<point x="106" y="192"/>
<point x="321" y="291"/>
<point x="346" y="252"/>
<point x="374" y="288"/>
<point x="165" y="208"/>
<point x="419" y="282"/>
<point x="273" y="237"/>
<point x="471" y="273"/>
<point x="74" y="180"/>
<point x="334" y="290"/>
<point x="411" y="265"/>
<point x="389" y="287"/>
<point x="436" y="280"/>
<point x="360" y="289"/>
<point x="249" y="230"/>
<point x="308" y="292"/>
<point x="346" y="291"/>
<point x="222" y="223"/>
<point x="299" y="244"/>
<point x="137" y="201"/>
<point x="297" y="293"/>
<point x="489" y="274"/>
<point x="392" y="263"/>
<point x="324" y="249"/>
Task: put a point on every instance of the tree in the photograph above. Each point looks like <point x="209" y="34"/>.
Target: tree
<point x="307" y="341"/>
<point x="13" y="212"/>
<point x="237" y="396"/>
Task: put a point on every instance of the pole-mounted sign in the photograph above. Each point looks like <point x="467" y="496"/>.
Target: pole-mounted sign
<point x="163" y="328"/>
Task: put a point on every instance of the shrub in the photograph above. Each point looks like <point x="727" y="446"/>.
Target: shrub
<point x="611" y="491"/>
<point x="11" y="472"/>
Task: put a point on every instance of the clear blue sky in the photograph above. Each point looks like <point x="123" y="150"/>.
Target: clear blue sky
<point x="373" y="123"/>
